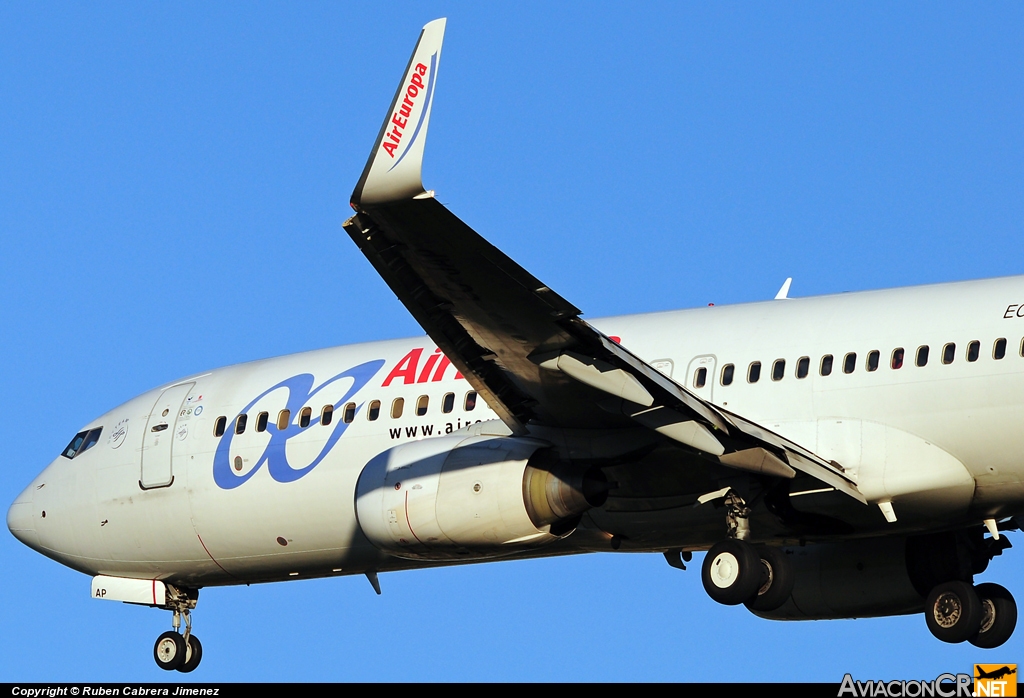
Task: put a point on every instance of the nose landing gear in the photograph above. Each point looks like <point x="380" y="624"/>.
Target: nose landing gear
<point x="174" y="650"/>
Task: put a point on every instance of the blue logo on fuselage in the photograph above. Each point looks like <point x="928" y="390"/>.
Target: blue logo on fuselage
<point x="300" y="392"/>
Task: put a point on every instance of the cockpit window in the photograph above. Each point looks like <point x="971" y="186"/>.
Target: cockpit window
<point x="76" y="443"/>
<point x="83" y="441"/>
<point x="91" y="440"/>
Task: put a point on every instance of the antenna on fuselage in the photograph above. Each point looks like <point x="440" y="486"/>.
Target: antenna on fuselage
<point x="783" y="293"/>
<point x="371" y="575"/>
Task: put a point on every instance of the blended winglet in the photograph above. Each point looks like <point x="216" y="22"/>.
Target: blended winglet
<point x="393" y="172"/>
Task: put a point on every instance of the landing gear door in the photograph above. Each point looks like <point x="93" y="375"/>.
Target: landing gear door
<point x="159" y="438"/>
<point x="700" y="376"/>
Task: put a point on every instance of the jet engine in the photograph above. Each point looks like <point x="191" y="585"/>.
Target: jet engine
<point x="475" y="497"/>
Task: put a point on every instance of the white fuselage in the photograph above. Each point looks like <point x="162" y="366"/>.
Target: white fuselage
<point x="942" y="442"/>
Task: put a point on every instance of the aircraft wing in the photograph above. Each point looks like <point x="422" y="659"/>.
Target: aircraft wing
<point x="522" y="346"/>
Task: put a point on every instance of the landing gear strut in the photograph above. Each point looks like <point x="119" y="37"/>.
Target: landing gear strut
<point x="737" y="516"/>
<point x="172" y="649"/>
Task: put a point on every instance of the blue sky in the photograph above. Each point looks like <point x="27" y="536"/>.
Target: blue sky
<point x="173" y="178"/>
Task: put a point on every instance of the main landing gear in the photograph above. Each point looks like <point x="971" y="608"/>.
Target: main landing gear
<point x="940" y="567"/>
<point x="735" y="572"/>
<point x="984" y="615"/>
<point x="174" y="650"/>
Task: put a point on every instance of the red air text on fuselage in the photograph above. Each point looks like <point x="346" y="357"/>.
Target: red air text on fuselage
<point x="408" y="368"/>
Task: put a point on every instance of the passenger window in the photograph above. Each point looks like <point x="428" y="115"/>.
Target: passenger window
<point x="421" y="405"/>
<point x="778" y="369"/>
<point x="284" y="418"/>
<point x="448" y="403"/>
<point x="1022" y="347"/>
<point x="304" y="416"/>
<point x="470" y="401"/>
<point x="872" y="364"/>
<point x="922" y="355"/>
<point x="727" y="374"/>
<point x="261" y="421"/>
<point x="999" y="349"/>
<point x="219" y="426"/>
<point x="374" y="411"/>
<point x="850" y="362"/>
<point x="973" y="350"/>
<point x="700" y="377"/>
<point x="948" y="353"/>
<point x="803" y="367"/>
<point x="754" y="372"/>
<point x="826" y="365"/>
<point x="396" y="407"/>
<point x="240" y="423"/>
<point x="326" y="415"/>
<point x="897" y="358"/>
<point x="349" y="415"/>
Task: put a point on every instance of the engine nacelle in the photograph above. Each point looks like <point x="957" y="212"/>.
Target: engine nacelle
<point x="459" y="497"/>
<point x="854" y="579"/>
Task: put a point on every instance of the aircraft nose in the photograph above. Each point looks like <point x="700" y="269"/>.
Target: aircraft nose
<point x="21" y="520"/>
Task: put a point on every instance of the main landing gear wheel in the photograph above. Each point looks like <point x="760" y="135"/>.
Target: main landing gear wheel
<point x="731" y="572"/>
<point x="953" y="612"/>
<point x="193" y="654"/>
<point x="776" y="581"/>
<point x="998" y="616"/>
<point x="169" y="651"/>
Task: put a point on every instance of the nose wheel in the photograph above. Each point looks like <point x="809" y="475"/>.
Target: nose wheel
<point x="175" y="650"/>
<point x="169" y="650"/>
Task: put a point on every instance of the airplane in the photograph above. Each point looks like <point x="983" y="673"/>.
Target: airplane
<point x="999" y="673"/>
<point x="833" y="460"/>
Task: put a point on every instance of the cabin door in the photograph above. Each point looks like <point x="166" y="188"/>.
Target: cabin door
<point x="160" y="437"/>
